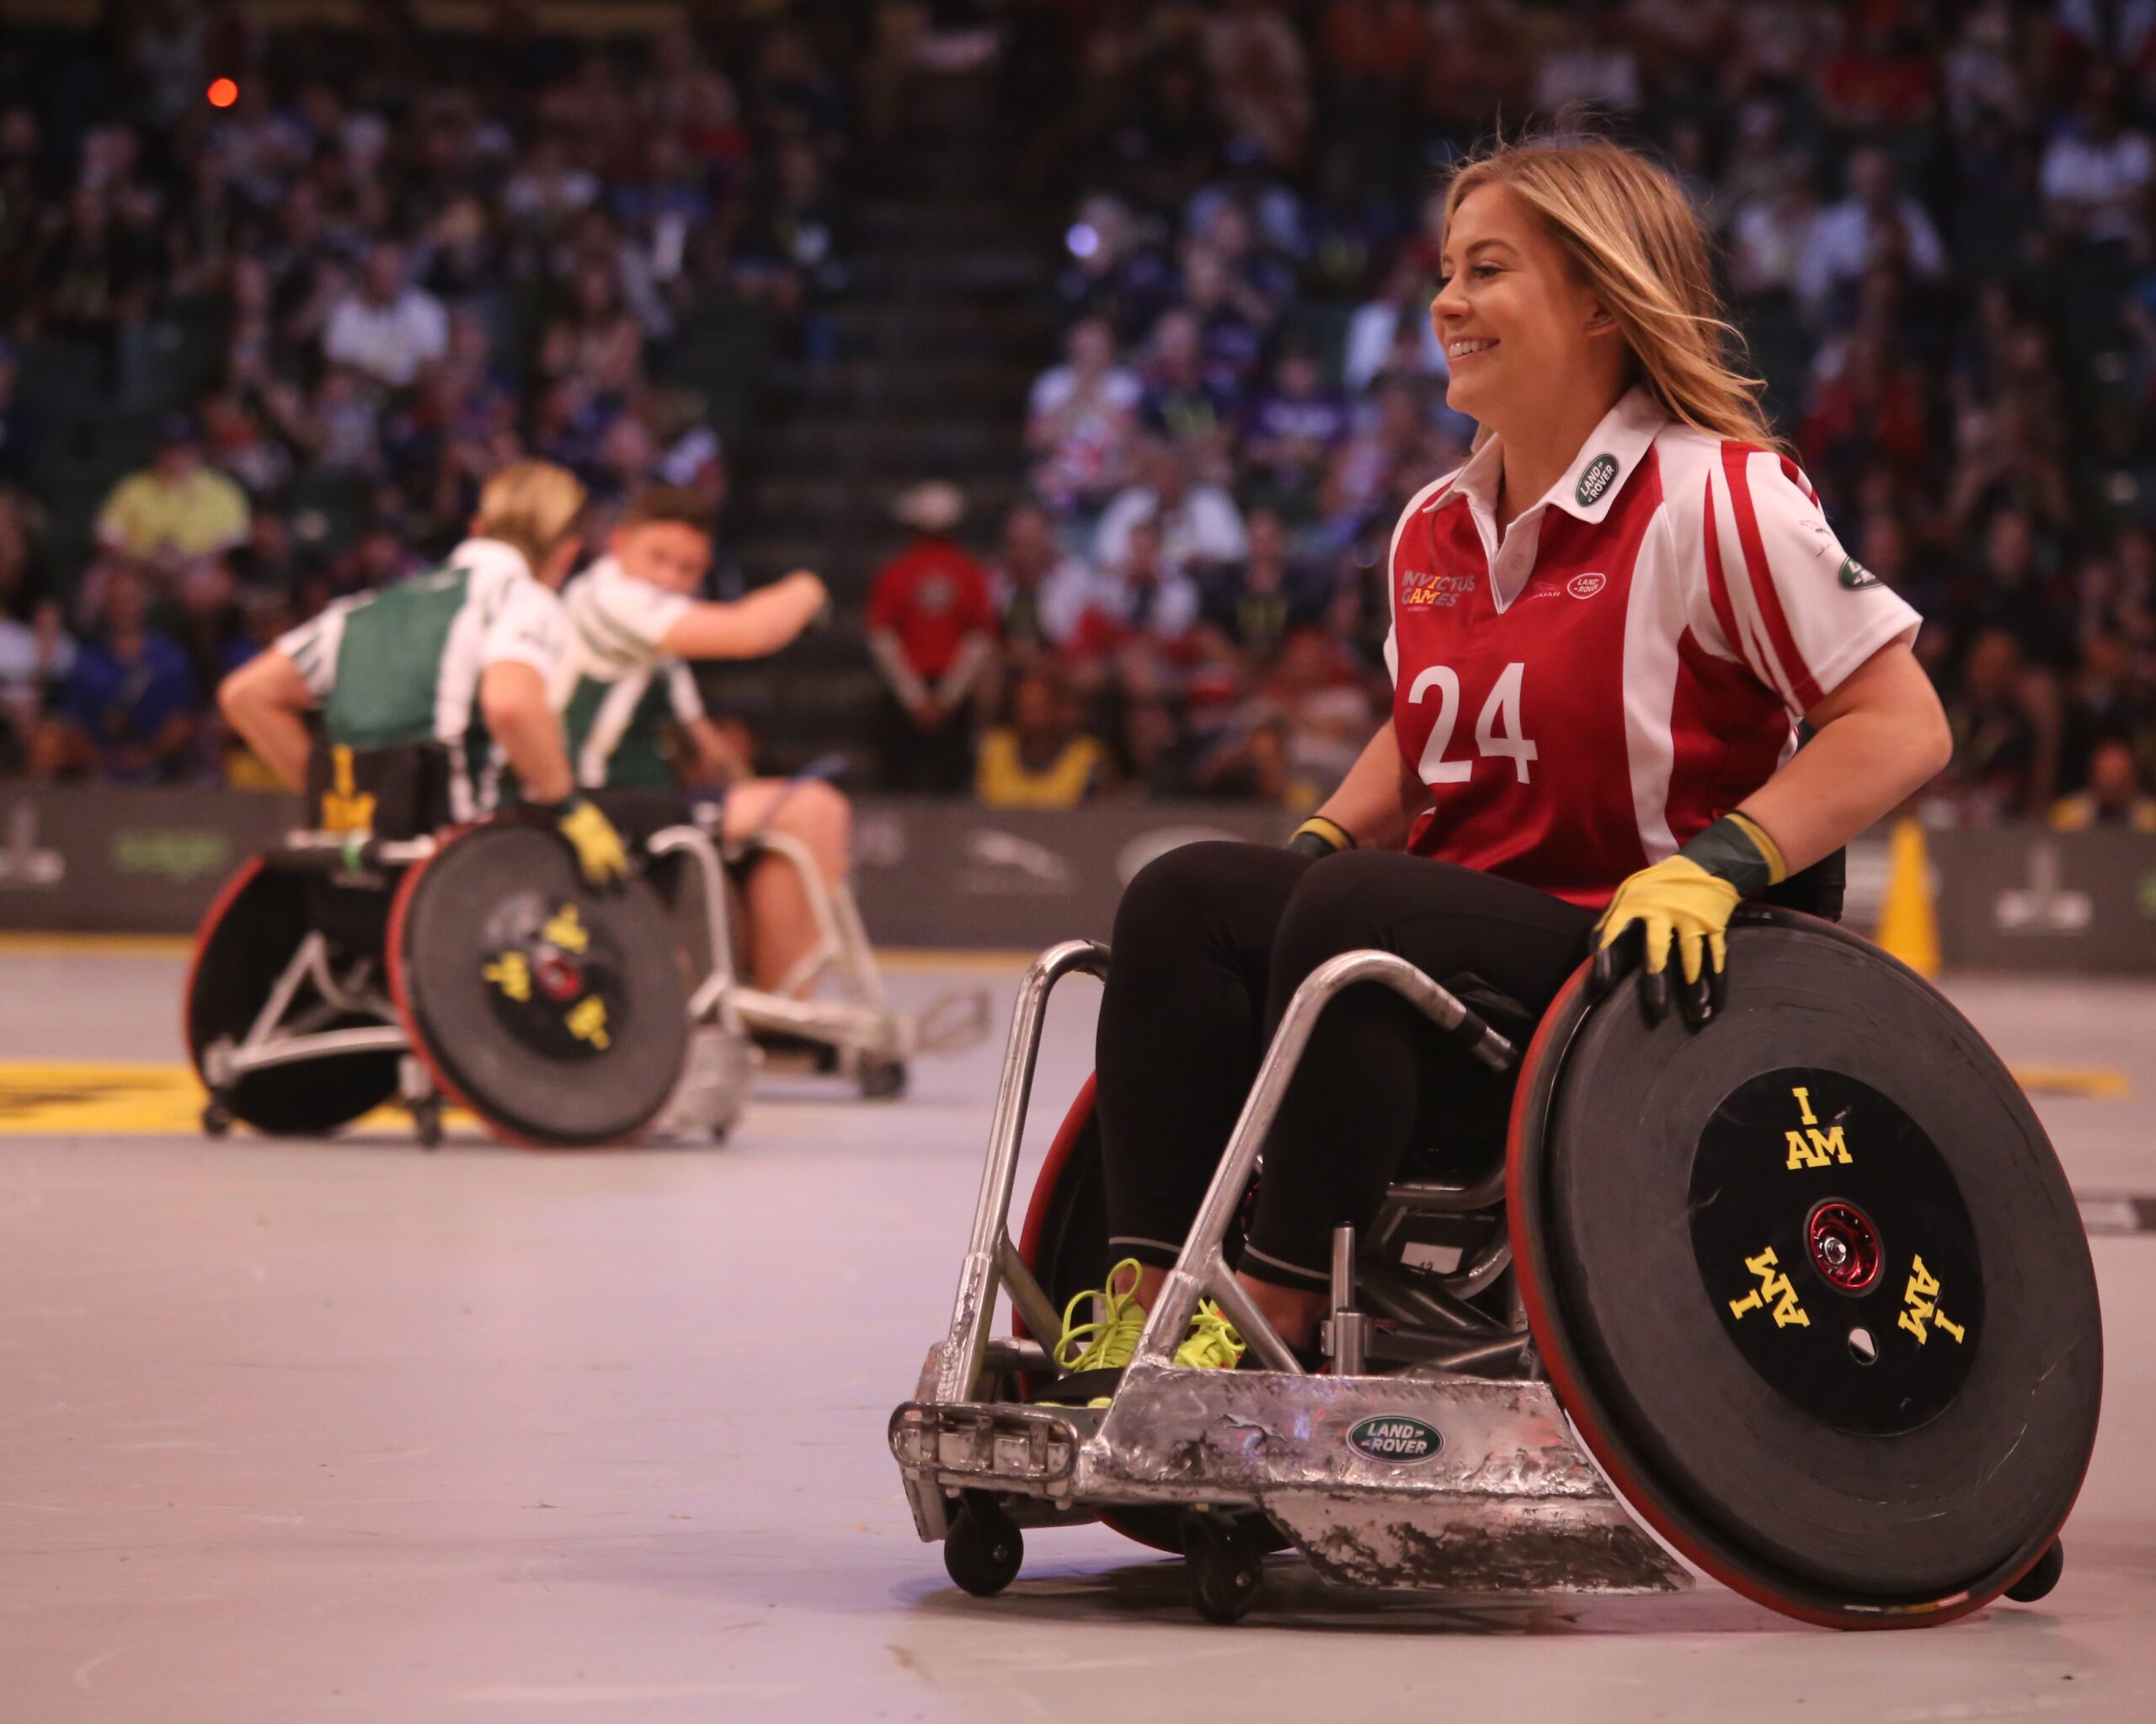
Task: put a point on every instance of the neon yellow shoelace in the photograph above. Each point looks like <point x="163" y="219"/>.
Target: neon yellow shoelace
<point x="1212" y="1344"/>
<point x="1107" y="1344"/>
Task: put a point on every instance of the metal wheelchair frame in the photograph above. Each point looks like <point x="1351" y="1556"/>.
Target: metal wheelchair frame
<point x="716" y="1080"/>
<point x="871" y="1040"/>
<point x="272" y="1041"/>
<point x="1505" y="1499"/>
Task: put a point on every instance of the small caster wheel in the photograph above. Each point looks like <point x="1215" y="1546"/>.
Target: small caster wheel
<point x="983" y="1550"/>
<point x="2040" y="1580"/>
<point x="216" y="1119"/>
<point x="1225" y="1568"/>
<point x="426" y="1124"/>
<point x="881" y="1080"/>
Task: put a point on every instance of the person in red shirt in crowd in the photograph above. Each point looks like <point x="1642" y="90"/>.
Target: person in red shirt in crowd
<point x="931" y="631"/>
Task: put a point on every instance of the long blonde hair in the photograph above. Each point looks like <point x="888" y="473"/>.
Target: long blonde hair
<point x="531" y="504"/>
<point x="1627" y="229"/>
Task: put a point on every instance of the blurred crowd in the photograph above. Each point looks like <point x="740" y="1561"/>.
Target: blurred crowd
<point x="320" y="282"/>
<point x="1937" y="227"/>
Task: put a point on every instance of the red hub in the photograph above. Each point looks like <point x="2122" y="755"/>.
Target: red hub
<point x="561" y="977"/>
<point x="1844" y="1245"/>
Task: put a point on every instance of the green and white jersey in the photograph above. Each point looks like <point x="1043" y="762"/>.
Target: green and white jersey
<point x="403" y="665"/>
<point x="618" y="687"/>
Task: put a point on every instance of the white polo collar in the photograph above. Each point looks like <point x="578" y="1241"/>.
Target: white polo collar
<point x="1616" y="446"/>
<point x="491" y="555"/>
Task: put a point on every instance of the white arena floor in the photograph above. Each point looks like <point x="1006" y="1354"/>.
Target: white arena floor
<point x="297" y="1431"/>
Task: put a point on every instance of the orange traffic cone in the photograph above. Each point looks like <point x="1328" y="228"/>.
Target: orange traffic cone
<point x="1908" y="922"/>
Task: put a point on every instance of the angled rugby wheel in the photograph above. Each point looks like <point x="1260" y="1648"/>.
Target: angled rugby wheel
<point x="1810" y="1281"/>
<point x="249" y="934"/>
<point x="552" y="1010"/>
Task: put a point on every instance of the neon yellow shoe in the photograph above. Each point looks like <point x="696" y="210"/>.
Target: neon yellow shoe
<point x="1107" y="1343"/>
<point x="1212" y="1344"/>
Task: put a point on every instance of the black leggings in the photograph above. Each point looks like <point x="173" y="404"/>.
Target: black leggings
<point x="1211" y="941"/>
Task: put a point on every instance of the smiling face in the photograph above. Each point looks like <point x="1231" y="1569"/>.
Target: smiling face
<point x="1517" y="325"/>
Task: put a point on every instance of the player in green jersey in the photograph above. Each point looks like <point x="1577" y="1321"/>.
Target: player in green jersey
<point x="464" y="656"/>
<point x="636" y="721"/>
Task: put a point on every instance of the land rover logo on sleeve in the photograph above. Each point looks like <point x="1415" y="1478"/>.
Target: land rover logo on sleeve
<point x="1402" y="1441"/>
<point x="1601" y="473"/>
<point x="1855" y="576"/>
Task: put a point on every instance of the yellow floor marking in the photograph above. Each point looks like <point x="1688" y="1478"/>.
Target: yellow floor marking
<point x="61" y="945"/>
<point x="76" y="1098"/>
<point x="2104" y="1083"/>
<point x="90" y="1098"/>
<point x="87" y="1098"/>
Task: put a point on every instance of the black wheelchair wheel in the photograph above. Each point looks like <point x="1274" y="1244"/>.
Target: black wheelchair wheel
<point x="552" y="1010"/>
<point x="983" y="1548"/>
<point x="1810" y="1281"/>
<point x="248" y="935"/>
<point x="1224" y="1566"/>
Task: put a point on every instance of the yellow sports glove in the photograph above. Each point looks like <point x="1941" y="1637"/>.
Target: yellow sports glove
<point x="1685" y="901"/>
<point x="600" y="856"/>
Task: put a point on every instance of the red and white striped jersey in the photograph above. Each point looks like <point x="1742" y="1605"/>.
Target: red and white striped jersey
<point x="1627" y="663"/>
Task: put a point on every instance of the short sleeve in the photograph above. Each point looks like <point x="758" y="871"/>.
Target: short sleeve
<point x="312" y="649"/>
<point x="227" y="521"/>
<point x="1785" y="597"/>
<point x="530" y="628"/>
<point x="116" y="515"/>
<point x="622" y="605"/>
<point x="681" y="690"/>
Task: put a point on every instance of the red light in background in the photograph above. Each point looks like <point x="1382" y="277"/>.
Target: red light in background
<point x="223" y="92"/>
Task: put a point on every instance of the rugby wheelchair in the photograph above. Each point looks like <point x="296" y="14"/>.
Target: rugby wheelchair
<point x="1800" y="1298"/>
<point x="385" y="953"/>
<point x="830" y="1015"/>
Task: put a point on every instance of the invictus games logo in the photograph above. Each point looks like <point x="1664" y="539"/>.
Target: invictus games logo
<point x="1419" y="588"/>
<point x="1404" y="1442"/>
<point x="1854" y="576"/>
<point x="1601" y="473"/>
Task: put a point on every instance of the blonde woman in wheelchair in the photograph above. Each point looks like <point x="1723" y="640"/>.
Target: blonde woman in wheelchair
<point x="1607" y="627"/>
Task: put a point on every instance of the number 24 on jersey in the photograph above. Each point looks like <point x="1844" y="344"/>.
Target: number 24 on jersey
<point x="1497" y="731"/>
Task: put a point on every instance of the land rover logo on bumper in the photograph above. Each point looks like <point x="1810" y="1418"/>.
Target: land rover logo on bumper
<point x="1403" y="1441"/>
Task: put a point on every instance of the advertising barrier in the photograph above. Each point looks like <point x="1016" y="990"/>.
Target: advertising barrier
<point x="952" y="875"/>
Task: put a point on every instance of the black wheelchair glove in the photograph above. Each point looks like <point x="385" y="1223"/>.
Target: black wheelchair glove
<point x="1318" y="836"/>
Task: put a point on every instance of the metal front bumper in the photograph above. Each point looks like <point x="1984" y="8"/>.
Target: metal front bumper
<point x="1507" y="1500"/>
